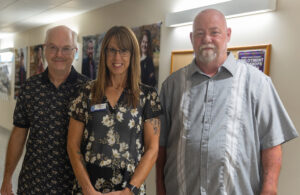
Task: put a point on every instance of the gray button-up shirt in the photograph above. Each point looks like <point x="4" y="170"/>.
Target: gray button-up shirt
<point x="214" y="129"/>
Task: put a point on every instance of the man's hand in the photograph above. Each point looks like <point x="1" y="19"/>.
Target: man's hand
<point x="14" y="151"/>
<point x="6" y="188"/>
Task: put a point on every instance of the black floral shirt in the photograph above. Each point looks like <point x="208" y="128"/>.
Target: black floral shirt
<point x="113" y="137"/>
<point x="43" y="109"/>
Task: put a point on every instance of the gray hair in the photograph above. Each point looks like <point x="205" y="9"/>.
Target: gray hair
<point x="74" y="34"/>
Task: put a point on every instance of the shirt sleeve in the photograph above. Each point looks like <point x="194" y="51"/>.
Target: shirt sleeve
<point x="20" y="118"/>
<point x="152" y="107"/>
<point x="79" y="108"/>
<point x="274" y="124"/>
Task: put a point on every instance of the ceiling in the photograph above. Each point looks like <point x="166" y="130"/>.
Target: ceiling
<point x="21" y="15"/>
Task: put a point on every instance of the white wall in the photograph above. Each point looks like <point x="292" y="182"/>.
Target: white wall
<point x="280" y="28"/>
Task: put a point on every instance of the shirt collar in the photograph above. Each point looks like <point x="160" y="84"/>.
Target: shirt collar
<point x="229" y="65"/>
<point x="193" y="69"/>
<point x="70" y="79"/>
<point x="72" y="76"/>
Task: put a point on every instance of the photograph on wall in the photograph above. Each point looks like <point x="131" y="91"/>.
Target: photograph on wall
<point x="91" y="55"/>
<point x="149" y="41"/>
<point x="37" y="61"/>
<point x="20" y="68"/>
<point x="6" y="62"/>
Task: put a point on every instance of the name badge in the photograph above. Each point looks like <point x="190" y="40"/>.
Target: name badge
<point x="98" y="107"/>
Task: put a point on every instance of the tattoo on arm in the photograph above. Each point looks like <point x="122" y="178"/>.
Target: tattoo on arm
<point x="81" y="157"/>
<point x="155" y="122"/>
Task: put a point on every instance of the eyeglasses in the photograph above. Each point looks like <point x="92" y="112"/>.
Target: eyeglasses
<point x="113" y="52"/>
<point x="64" y="51"/>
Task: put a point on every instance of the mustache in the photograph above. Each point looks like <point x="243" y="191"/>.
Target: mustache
<point x="207" y="46"/>
<point x="58" y="59"/>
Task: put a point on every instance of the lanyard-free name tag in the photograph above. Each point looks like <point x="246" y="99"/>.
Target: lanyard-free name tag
<point x="98" y="107"/>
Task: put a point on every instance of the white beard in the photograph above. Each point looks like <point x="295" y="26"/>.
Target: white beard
<point x="207" y="56"/>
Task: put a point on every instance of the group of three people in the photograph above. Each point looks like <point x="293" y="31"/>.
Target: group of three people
<point x="222" y="122"/>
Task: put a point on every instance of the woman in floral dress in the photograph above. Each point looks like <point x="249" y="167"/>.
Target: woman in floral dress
<point x="114" y="127"/>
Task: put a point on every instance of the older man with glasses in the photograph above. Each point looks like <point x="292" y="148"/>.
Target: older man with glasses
<point x="41" y="113"/>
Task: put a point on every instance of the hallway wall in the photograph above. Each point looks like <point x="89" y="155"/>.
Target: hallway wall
<point x="280" y="28"/>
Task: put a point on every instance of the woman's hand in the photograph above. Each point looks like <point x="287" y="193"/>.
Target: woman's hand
<point x="126" y="191"/>
<point x="93" y="192"/>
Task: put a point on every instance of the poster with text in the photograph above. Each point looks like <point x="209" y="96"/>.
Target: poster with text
<point x="255" y="58"/>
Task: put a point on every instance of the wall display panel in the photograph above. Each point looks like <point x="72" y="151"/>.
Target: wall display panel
<point x="257" y="56"/>
<point x="37" y="60"/>
<point x="91" y="48"/>
<point x="20" y="68"/>
<point x="6" y="63"/>
<point x="149" y="41"/>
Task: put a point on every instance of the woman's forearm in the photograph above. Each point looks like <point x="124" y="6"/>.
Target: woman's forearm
<point x="75" y="133"/>
<point x="144" y="167"/>
<point x="151" y="141"/>
<point x="79" y="169"/>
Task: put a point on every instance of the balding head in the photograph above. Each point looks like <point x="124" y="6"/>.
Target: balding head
<point x="60" y="49"/>
<point x="62" y="30"/>
<point x="210" y="13"/>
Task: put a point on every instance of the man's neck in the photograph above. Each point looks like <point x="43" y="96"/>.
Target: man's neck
<point x="209" y="71"/>
<point x="211" y="68"/>
<point x="58" y="77"/>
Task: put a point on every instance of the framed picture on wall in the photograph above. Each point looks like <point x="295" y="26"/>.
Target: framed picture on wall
<point x="37" y="61"/>
<point x="258" y="56"/>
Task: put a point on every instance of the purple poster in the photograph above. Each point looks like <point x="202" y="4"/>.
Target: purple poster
<point x="255" y="58"/>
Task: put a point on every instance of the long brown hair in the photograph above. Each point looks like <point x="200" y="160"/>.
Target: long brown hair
<point x="126" y="40"/>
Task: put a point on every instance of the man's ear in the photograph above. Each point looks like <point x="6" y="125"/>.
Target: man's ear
<point x="191" y="37"/>
<point x="228" y="34"/>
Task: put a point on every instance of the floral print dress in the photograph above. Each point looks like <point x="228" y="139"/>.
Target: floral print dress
<point x="112" y="143"/>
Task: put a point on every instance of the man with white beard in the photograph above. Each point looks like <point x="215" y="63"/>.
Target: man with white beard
<point x="223" y="122"/>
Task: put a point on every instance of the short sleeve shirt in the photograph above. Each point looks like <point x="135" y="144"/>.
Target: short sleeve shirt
<point x="214" y="129"/>
<point x="43" y="109"/>
<point x="113" y="137"/>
